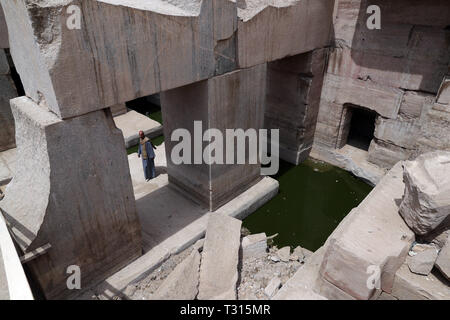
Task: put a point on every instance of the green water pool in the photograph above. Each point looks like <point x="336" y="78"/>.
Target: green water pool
<point x="313" y="199"/>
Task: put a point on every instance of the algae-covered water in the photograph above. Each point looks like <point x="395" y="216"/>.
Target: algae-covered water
<point x="314" y="197"/>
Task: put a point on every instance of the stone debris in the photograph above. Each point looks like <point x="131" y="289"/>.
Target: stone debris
<point x="443" y="260"/>
<point x="272" y="287"/>
<point x="299" y="254"/>
<point x="182" y="283"/>
<point x="422" y="259"/>
<point x="274" y="258"/>
<point x="257" y="272"/>
<point x="254" y="245"/>
<point x="284" y="253"/>
<point x="218" y="271"/>
<point x="425" y="204"/>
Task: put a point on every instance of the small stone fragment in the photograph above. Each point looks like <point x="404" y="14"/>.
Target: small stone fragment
<point x="284" y="253"/>
<point x="423" y="261"/>
<point x="272" y="287"/>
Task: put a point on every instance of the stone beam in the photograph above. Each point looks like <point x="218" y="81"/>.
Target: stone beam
<point x="122" y="50"/>
<point x="271" y="30"/>
<point x="230" y="101"/>
<point x="125" y="49"/>
<point x="72" y="190"/>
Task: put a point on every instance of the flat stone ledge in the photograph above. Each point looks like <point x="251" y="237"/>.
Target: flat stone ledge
<point x="132" y="122"/>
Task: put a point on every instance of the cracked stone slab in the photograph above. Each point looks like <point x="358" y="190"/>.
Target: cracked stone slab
<point x="218" y="271"/>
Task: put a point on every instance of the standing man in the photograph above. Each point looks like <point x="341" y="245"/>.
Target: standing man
<point x="148" y="156"/>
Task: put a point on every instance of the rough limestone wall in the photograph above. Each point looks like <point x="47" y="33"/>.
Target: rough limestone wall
<point x="395" y="71"/>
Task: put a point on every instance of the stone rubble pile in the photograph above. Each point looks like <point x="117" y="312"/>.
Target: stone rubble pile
<point x="226" y="264"/>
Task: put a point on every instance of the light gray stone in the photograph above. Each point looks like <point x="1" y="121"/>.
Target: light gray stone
<point x="443" y="260"/>
<point x="386" y="155"/>
<point x="254" y="245"/>
<point x="4" y="41"/>
<point x="297" y="26"/>
<point x="132" y="122"/>
<point x="80" y="198"/>
<point x="299" y="252"/>
<point x="182" y="283"/>
<point x="302" y="286"/>
<point x="284" y="253"/>
<point x="125" y="49"/>
<point x="272" y="287"/>
<point x="443" y="96"/>
<point x="371" y="235"/>
<point x="425" y="204"/>
<point x="294" y="85"/>
<point x="422" y="262"/>
<point x="382" y="99"/>
<point x="218" y="271"/>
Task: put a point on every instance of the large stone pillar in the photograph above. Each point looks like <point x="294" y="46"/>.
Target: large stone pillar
<point x="294" y="86"/>
<point x="7" y="92"/>
<point x="72" y="189"/>
<point x="234" y="100"/>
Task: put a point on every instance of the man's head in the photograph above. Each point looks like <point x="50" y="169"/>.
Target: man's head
<point x="141" y="134"/>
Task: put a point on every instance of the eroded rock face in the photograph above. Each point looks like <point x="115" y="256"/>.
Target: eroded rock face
<point x="426" y="203"/>
<point x="72" y="190"/>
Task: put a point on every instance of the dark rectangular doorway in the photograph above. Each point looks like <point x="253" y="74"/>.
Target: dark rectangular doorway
<point x="362" y="127"/>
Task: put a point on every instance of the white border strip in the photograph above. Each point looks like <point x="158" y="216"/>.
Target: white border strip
<point x="18" y="286"/>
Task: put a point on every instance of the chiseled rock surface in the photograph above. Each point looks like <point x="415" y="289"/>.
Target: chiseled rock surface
<point x="284" y="254"/>
<point x="372" y="235"/>
<point x="124" y="49"/>
<point x="426" y="203"/>
<point x="411" y="286"/>
<point x="132" y="122"/>
<point x="80" y="200"/>
<point x="182" y="283"/>
<point x="294" y="27"/>
<point x="444" y="92"/>
<point x="422" y="262"/>
<point x="443" y="260"/>
<point x="220" y="256"/>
